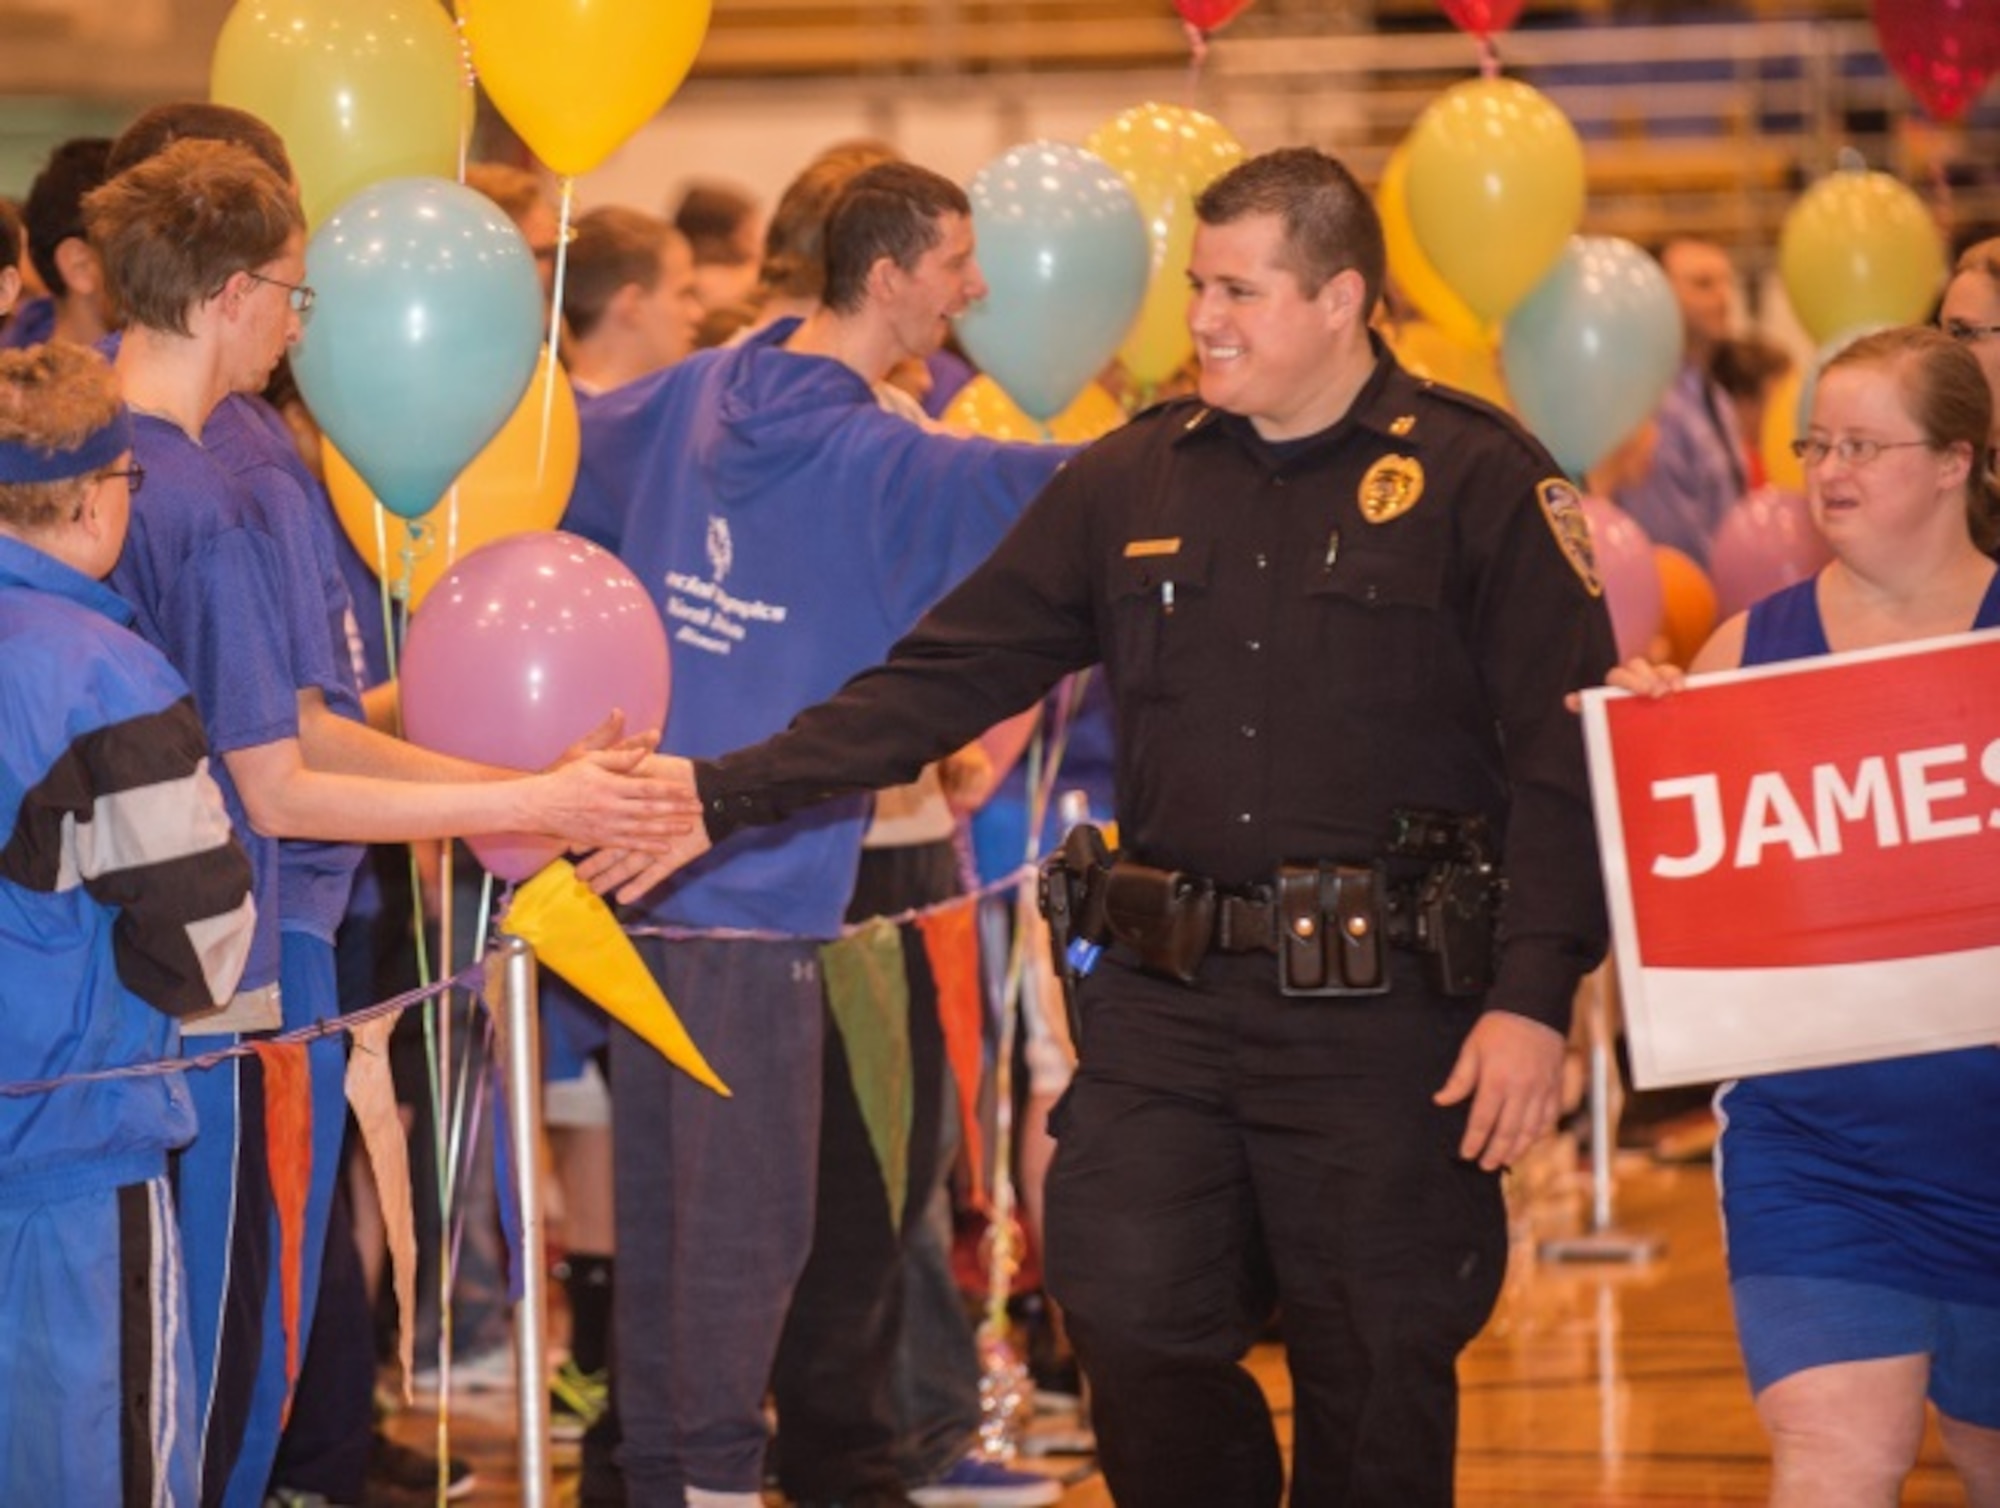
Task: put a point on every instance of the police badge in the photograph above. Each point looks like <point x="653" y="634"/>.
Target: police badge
<point x="1562" y="506"/>
<point x="1391" y="488"/>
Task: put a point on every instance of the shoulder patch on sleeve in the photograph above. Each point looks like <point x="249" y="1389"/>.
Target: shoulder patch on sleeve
<point x="1562" y="506"/>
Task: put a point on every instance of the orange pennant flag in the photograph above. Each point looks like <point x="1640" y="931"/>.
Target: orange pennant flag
<point x="574" y="932"/>
<point x="288" y="1149"/>
<point x="951" y="943"/>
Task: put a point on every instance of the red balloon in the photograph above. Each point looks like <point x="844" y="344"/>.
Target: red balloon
<point x="1943" y="50"/>
<point x="1207" y="15"/>
<point x="1484" y="17"/>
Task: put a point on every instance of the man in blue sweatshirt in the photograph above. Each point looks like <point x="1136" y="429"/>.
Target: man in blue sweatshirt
<point x="791" y="530"/>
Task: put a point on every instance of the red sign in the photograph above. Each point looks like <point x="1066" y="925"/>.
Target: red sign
<point x="1784" y="845"/>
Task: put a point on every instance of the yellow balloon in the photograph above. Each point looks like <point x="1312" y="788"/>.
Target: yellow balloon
<point x="983" y="407"/>
<point x="1495" y="190"/>
<point x="1415" y="277"/>
<point x="1859" y="248"/>
<point x="361" y="90"/>
<point x="1779" y="429"/>
<point x="514" y="486"/>
<point x="1166" y="155"/>
<point x="576" y="77"/>
<point x="1428" y="351"/>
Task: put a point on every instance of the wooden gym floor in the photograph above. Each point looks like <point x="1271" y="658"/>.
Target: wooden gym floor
<point x="1597" y="1385"/>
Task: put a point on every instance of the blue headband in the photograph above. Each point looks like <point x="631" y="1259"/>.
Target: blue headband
<point x="22" y="462"/>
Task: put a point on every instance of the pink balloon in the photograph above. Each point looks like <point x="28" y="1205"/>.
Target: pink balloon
<point x="1625" y="564"/>
<point x="521" y="649"/>
<point x="1763" y="544"/>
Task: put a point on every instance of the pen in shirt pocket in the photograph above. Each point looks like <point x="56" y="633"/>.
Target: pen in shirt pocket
<point x="1167" y="597"/>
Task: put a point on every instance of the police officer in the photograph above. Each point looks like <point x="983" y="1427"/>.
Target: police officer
<point x="1323" y="592"/>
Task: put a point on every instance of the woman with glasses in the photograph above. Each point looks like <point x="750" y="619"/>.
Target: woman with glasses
<point x="1862" y="1203"/>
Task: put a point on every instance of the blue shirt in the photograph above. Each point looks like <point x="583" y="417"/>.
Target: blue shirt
<point x="206" y="581"/>
<point x="790" y="531"/>
<point x="247" y="438"/>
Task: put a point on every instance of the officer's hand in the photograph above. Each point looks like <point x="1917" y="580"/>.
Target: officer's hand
<point x="1641" y="677"/>
<point x="1511" y="1068"/>
<point x="632" y="872"/>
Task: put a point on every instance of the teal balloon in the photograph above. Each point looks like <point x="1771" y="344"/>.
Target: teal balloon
<point x="1066" y="257"/>
<point x="423" y="335"/>
<point x="1592" y="349"/>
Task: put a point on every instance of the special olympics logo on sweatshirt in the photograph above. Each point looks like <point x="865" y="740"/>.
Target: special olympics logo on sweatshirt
<point x="721" y="552"/>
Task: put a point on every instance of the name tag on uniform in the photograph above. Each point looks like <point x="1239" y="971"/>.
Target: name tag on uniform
<point x="1146" y="549"/>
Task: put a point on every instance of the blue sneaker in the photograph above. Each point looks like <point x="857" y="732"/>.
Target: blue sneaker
<point x="975" y="1482"/>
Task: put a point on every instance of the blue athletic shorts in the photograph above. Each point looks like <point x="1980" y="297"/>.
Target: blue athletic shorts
<point x="1787" y="1324"/>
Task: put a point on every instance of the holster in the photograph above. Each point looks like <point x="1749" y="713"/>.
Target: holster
<point x="1165" y="916"/>
<point x="1457" y="913"/>
<point x="1330" y="931"/>
<point x="1070" y="894"/>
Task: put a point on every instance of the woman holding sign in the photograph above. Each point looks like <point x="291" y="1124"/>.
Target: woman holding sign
<point x="1862" y="1203"/>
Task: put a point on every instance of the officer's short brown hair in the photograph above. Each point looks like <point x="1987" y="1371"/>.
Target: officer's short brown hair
<point x="1330" y="222"/>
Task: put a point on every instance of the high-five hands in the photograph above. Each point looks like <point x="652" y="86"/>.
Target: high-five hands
<point x="630" y="870"/>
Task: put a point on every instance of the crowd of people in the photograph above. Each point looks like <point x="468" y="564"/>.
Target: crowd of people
<point x="1315" y="625"/>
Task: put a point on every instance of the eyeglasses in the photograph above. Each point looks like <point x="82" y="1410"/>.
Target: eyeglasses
<point x="1965" y="333"/>
<point x="298" y="295"/>
<point x="134" y="474"/>
<point x="1849" y="450"/>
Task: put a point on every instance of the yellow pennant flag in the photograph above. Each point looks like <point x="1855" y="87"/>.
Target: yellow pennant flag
<point x="573" y="932"/>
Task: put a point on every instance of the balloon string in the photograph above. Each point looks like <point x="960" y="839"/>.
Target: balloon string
<point x="1940" y="185"/>
<point x="450" y="534"/>
<point x="1197" y="41"/>
<point x="1489" y="59"/>
<point x="468" y="107"/>
<point x="395" y="628"/>
<point x="550" y="377"/>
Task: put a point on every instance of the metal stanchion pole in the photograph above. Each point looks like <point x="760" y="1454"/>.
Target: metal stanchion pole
<point x="1603" y="1241"/>
<point x="522" y="1047"/>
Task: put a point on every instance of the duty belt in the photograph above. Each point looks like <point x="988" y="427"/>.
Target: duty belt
<point x="1327" y="922"/>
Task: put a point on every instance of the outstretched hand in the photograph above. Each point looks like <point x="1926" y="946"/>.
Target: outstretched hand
<point x="613" y="798"/>
<point x="1511" y="1069"/>
<point x="630" y="870"/>
<point x="608" y="736"/>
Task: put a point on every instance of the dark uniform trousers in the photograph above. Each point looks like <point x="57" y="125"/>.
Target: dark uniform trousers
<point x="1225" y="1147"/>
